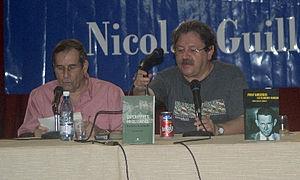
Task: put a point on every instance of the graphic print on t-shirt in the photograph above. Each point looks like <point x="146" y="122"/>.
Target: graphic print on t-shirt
<point x="186" y="111"/>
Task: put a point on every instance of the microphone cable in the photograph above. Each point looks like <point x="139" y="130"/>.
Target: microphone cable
<point x="147" y="90"/>
<point x="197" y="133"/>
<point x="110" y="143"/>
<point x="116" y="143"/>
<point x="198" y="113"/>
<point x="195" y="86"/>
<point x="205" y="130"/>
<point x="126" y="162"/>
<point x="191" y="140"/>
<point x="194" y="159"/>
<point x="94" y="122"/>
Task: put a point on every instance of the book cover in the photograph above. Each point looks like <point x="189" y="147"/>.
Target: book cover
<point x="261" y="113"/>
<point x="138" y="119"/>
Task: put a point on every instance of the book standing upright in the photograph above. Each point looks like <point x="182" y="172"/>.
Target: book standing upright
<point x="138" y="119"/>
<point x="266" y="103"/>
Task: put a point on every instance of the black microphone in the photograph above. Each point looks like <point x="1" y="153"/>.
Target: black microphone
<point x="196" y="87"/>
<point x="58" y="92"/>
<point x="153" y="59"/>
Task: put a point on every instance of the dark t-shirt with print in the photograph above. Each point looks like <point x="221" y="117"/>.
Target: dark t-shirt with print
<point x="221" y="94"/>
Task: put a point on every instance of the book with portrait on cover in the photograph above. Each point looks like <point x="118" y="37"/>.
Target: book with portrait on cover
<point x="138" y="119"/>
<point x="261" y="113"/>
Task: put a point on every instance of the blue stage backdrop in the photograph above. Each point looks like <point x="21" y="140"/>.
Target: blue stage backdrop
<point x="259" y="36"/>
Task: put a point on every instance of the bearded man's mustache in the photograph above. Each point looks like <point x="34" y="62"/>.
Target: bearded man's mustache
<point x="187" y="62"/>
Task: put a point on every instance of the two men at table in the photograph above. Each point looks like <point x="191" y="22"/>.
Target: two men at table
<point x="195" y="47"/>
<point x="88" y="95"/>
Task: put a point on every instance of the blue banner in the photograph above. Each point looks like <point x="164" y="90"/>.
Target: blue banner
<point x="260" y="37"/>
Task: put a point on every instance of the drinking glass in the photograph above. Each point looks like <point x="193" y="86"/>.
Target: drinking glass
<point x="284" y="125"/>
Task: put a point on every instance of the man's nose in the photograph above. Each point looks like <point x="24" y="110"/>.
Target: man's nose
<point x="265" y="127"/>
<point x="66" y="73"/>
<point x="185" y="54"/>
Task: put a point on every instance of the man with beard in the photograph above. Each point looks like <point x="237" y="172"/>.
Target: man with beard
<point x="266" y="121"/>
<point x="88" y="95"/>
<point x="195" y="47"/>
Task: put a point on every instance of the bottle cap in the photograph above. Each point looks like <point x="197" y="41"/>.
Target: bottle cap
<point x="66" y="93"/>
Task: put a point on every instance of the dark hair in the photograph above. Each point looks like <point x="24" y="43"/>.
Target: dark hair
<point x="206" y="34"/>
<point x="266" y="111"/>
<point x="67" y="45"/>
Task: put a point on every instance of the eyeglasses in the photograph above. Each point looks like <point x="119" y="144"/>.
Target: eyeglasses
<point x="190" y="50"/>
<point x="69" y="68"/>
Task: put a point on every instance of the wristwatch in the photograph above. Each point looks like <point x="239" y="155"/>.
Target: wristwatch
<point x="220" y="130"/>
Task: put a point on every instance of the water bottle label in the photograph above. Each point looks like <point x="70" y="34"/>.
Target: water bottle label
<point x="66" y="129"/>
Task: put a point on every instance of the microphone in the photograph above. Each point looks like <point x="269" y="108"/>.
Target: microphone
<point x="196" y="87"/>
<point x="58" y="92"/>
<point x="153" y="59"/>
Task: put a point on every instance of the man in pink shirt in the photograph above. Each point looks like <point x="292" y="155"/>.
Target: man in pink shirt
<point x="88" y="95"/>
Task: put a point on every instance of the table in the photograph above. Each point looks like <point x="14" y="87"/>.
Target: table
<point x="221" y="158"/>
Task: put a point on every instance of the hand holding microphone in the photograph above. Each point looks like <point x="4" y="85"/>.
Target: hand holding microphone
<point x="142" y="78"/>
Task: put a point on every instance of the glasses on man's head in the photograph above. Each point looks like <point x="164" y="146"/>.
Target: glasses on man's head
<point x="191" y="50"/>
<point x="69" y="68"/>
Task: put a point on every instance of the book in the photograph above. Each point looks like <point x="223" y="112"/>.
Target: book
<point x="261" y="114"/>
<point x="138" y="119"/>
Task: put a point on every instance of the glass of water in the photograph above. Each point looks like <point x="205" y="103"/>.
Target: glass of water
<point x="284" y="125"/>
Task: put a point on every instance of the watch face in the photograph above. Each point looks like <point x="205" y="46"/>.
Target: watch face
<point x="221" y="130"/>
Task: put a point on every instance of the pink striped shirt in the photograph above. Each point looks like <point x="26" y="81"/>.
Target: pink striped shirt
<point x="100" y="95"/>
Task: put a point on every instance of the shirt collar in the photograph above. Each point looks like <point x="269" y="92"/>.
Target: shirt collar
<point x="263" y="137"/>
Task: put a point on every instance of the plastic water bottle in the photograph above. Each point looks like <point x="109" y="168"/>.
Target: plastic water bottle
<point x="66" y="118"/>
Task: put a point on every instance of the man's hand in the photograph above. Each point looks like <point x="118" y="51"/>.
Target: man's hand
<point x="207" y="122"/>
<point x="234" y="126"/>
<point x="141" y="81"/>
<point x="40" y="130"/>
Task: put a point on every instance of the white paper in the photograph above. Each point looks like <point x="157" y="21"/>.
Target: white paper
<point x="48" y="122"/>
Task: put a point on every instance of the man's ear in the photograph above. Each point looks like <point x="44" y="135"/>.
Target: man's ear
<point x="274" y="123"/>
<point x="85" y="66"/>
<point x="211" y="51"/>
<point x="256" y="122"/>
